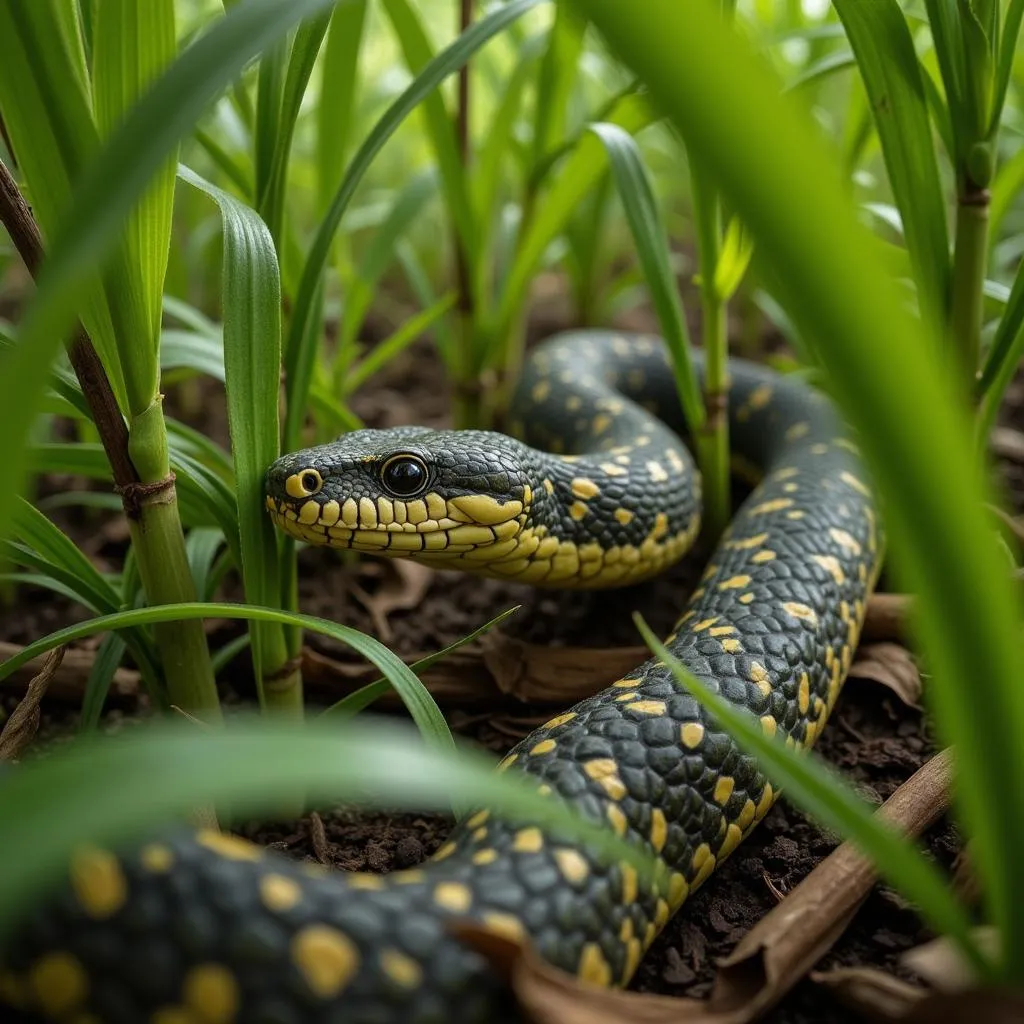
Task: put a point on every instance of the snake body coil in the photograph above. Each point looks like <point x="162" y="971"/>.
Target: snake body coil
<point x="203" y="928"/>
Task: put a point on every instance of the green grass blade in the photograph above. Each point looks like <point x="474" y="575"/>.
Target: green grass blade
<point x="238" y="172"/>
<point x="186" y="350"/>
<point x="269" y="90"/>
<point x="304" y="331"/>
<point x="251" y="287"/>
<point x="420" y="705"/>
<point x="440" y="126"/>
<point x="1012" y="18"/>
<point x="226" y="654"/>
<point x="581" y="171"/>
<point x="382" y="353"/>
<point x="1003" y="357"/>
<point x="770" y="161"/>
<point x="366" y="695"/>
<point x="111" y="185"/>
<point x="821" y="792"/>
<point x="651" y="240"/>
<point x="202" y="546"/>
<point x="101" y="675"/>
<point x="828" y="65"/>
<point x="558" y="75"/>
<point x="57" y="803"/>
<point x="887" y="60"/>
<point x="133" y="42"/>
<point x="1008" y="184"/>
<point x="335" y="111"/>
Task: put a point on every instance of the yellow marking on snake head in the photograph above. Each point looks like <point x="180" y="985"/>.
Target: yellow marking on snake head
<point x="453" y="896"/>
<point x="309" y="513"/>
<point x="59" y="982"/>
<point x="157" y="858"/>
<point x="584" y="487"/>
<point x="766" y="555"/>
<point x="832" y="566"/>
<point x="329" y="513"/>
<point x="647" y="707"/>
<point x="279" y="892"/>
<point x="486" y="510"/>
<point x="210" y="992"/>
<point x="326" y="958"/>
<point x="487" y="856"/>
<point x="303" y="484"/>
<point x="401" y="969"/>
<point x="98" y="881"/>
<point x="723" y="789"/>
<point x="657" y="471"/>
<point x="573" y="866"/>
<point x="544" y="747"/>
<point x="845" y="540"/>
<point x="623" y="516"/>
<point x="593" y="967"/>
<point x="692" y="734"/>
<point x="528" y="840"/>
<point x="578" y="510"/>
<point x="350" y="513"/>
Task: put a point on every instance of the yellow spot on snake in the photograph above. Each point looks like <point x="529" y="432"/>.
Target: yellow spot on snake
<point x="558" y="720"/>
<point x="505" y="763"/>
<point x="211" y="993"/>
<point x="365" y="881"/>
<point x="657" y="471"/>
<point x="627" y="696"/>
<point x="734" y="583"/>
<point x="659" y="829"/>
<point x="723" y="789"/>
<point x="98" y="881"/>
<point x="660" y="527"/>
<point x="692" y="734"/>
<point x="506" y="925"/>
<point x="749" y="542"/>
<point x="832" y="566"/>
<point x="746" y="816"/>
<point x="629" y="885"/>
<point x="731" y="646"/>
<point x="601" y="423"/>
<point x="678" y="890"/>
<point x="775" y="505"/>
<point x="857" y="485"/>
<point x="760" y="397"/>
<point x="800" y="611"/>
<point x="767" y="798"/>
<point x="623" y="516"/>
<point x="578" y="510"/>
<point x="279" y="893"/>
<point x="549" y="486"/>
<point x="721" y="630"/>
<point x="453" y="896"/>
<point x="156" y="858"/>
<point x="769" y="726"/>
<point x="401" y="969"/>
<point x="330" y="512"/>
<point x="528" y="840"/>
<point x="804" y="693"/>
<point x="845" y="540"/>
<point x="309" y="513"/>
<point x="573" y="866"/>
<point x="326" y="959"/>
<point x="228" y="846"/>
<point x="583" y="487"/>
<point x="745" y="598"/>
<point x="483" y="509"/>
<point x="593" y="967"/>
<point x="478" y="819"/>
<point x="544" y="747"/>
<point x="797" y="431"/>
<point x="733" y="835"/>
<point x="59" y="982"/>
<point x="612" y="470"/>
<point x="763" y="556"/>
<point x="541" y="390"/>
<point x="707" y="623"/>
<point x="647" y="707"/>
<point x="485" y="856"/>
<point x="605" y="771"/>
<point x="617" y="819"/>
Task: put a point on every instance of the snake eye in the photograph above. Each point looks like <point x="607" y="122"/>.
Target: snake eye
<point x="404" y="475"/>
<point x="302" y="485"/>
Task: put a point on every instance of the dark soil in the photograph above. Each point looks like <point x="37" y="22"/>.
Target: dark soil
<point x="872" y="737"/>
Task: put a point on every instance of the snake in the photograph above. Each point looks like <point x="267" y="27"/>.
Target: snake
<point x="592" y="487"/>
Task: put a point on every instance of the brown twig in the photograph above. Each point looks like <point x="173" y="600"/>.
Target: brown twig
<point x="23" y="724"/>
<point x="16" y="216"/>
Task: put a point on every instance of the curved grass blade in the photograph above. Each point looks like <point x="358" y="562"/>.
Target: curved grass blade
<point x="771" y="161"/>
<point x="892" y="76"/>
<point x="821" y="792"/>
<point x="53" y="805"/>
<point x="101" y="675"/>
<point x="187" y="350"/>
<point x="1003" y="358"/>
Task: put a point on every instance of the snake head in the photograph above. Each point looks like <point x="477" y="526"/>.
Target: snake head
<point x="407" y="492"/>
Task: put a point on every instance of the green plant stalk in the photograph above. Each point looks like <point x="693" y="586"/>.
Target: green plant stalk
<point x="970" y="260"/>
<point x="159" y="544"/>
<point x="713" y="438"/>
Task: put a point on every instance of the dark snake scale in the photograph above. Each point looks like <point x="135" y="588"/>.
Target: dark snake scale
<point x="204" y="928"/>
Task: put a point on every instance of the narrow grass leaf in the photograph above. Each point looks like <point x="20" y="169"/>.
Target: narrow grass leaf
<point x="97" y="684"/>
<point x="1003" y="358"/>
<point x="780" y="177"/>
<point x="651" y="241"/>
<point x="186" y="350"/>
<point x="830" y="64"/>
<point x="1012" y="18"/>
<point x="558" y="75"/>
<point x="201" y="547"/>
<point x="821" y="792"/>
<point x="892" y="76"/>
<point x="234" y="167"/>
<point x="1008" y="184"/>
<point x="51" y="806"/>
<point x="335" y="109"/>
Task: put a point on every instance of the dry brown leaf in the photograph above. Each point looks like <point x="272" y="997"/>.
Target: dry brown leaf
<point x="69" y="680"/>
<point x="891" y="665"/>
<point x="885" y="617"/>
<point x="764" y="966"/>
<point x="23" y="724"/>
<point x="874" y="993"/>
<point x="405" y="585"/>
<point x="943" y="966"/>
